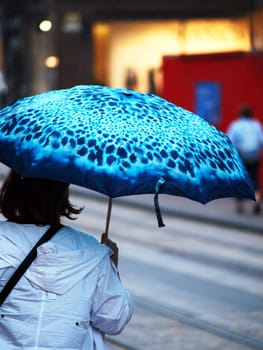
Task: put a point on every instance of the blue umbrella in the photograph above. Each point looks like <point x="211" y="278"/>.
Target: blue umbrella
<point x="120" y="142"/>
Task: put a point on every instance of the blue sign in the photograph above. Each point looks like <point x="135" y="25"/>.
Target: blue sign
<point x="208" y="101"/>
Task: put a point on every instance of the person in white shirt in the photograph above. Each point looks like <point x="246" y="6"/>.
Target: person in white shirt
<point x="71" y="294"/>
<point x="246" y="135"/>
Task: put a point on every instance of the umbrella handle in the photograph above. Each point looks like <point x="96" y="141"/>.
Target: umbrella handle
<point x="105" y="239"/>
<point x="108" y="218"/>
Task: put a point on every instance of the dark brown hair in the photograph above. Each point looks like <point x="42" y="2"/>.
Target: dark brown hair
<point x="245" y="111"/>
<point x="34" y="200"/>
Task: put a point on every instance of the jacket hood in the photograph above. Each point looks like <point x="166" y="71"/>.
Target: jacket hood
<point x="60" y="263"/>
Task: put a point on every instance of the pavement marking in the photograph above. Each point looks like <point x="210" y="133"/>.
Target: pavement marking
<point x="198" y="269"/>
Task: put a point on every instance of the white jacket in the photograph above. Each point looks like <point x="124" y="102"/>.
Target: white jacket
<point x="246" y="135"/>
<point x="69" y="296"/>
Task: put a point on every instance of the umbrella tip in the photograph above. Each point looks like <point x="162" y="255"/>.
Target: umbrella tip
<point x="127" y="92"/>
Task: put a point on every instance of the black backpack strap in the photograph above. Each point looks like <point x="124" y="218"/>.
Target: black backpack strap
<point x="27" y="262"/>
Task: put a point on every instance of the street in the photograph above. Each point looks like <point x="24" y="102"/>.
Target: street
<point x="195" y="285"/>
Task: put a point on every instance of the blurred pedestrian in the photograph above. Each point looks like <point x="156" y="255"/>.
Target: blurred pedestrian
<point x="70" y="295"/>
<point x="131" y="80"/>
<point x="246" y="134"/>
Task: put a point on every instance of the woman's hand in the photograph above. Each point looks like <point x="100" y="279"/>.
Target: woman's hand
<point x="113" y="246"/>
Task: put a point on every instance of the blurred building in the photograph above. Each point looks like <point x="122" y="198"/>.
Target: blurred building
<point x="48" y="44"/>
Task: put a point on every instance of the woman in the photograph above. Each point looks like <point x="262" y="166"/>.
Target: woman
<point x="246" y="134"/>
<point x="71" y="294"/>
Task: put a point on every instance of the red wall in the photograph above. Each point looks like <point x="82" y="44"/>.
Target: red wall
<point x="240" y="76"/>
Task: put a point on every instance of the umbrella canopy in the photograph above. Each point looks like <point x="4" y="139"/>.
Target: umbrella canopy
<point x="120" y="142"/>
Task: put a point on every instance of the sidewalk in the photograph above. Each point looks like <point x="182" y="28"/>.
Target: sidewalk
<point x="219" y="212"/>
